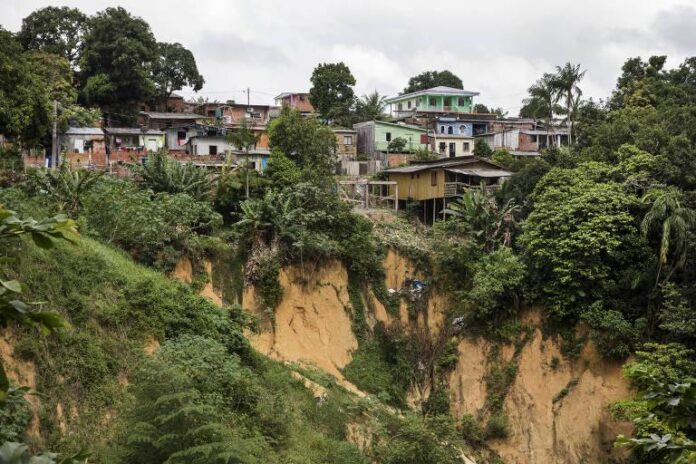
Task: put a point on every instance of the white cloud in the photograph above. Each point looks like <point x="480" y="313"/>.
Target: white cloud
<point x="497" y="48"/>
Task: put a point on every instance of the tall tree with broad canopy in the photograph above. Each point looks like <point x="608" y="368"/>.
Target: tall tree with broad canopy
<point x="304" y="140"/>
<point x="24" y="99"/>
<point x="430" y="79"/>
<point x="55" y="30"/>
<point x="115" y="65"/>
<point x="332" y="90"/>
<point x="174" y="68"/>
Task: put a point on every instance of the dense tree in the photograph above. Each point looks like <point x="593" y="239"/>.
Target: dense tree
<point x="583" y="260"/>
<point x="174" y="68"/>
<point x="481" y="108"/>
<point x="56" y="30"/>
<point x="482" y="149"/>
<point x="115" y="64"/>
<point x="332" y="90"/>
<point x="430" y="79"/>
<point x="304" y="140"/>
<point x="24" y="99"/>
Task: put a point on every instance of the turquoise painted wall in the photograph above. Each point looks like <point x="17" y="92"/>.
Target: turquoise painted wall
<point x="435" y="102"/>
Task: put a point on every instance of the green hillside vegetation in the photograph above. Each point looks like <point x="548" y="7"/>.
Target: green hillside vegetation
<point x="134" y="367"/>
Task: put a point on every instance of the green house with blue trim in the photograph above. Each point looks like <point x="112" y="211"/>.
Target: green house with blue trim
<point x="439" y="100"/>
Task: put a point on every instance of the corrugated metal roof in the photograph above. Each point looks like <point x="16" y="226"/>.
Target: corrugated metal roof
<point x="478" y="172"/>
<point x="131" y="131"/>
<point x="159" y="115"/>
<point x="84" y="131"/>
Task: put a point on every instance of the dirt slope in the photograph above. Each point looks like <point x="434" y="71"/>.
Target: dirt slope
<point x="557" y="407"/>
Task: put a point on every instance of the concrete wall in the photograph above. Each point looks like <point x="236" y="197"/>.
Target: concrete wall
<point x="342" y="147"/>
<point x="454" y="128"/>
<point x="201" y="145"/>
<point x="173" y="142"/>
<point x="462" y="146"/>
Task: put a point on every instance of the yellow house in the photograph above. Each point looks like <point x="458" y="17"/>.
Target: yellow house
<point x="434" y="183"/>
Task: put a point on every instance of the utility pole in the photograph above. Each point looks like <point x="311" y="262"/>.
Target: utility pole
<point x="54" y="142"/>
<point x="246" y="148"/>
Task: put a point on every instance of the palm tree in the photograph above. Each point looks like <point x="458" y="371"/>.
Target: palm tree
<point x="674" y="222"/>
<point x="487" y="223"/>
<point x="566" y="81"/>
<point x="542" y="100"/>
<point x="243" y="138"/>
<point x="371" y="106"/>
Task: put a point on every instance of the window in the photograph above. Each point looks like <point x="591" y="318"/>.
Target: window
<point x="409" y="104"/>
<point x="442" y="129"/>
<point x="443" y="147"/>
<point x="181" y="135"/>
<point x="433" y="101"/>
<point x="417" y="103"/>
<point x="450" y="130"/>
<point x="401" y="106"/>
<point x="433" y="178"/>
<point x="462" y="130"/>
<point x="251" y="165"/>
<point x="461" y="101"/>
<point x="347" y="140"/>
<point x="302" y="97"/>
<point x="447" y="101"/>
<point x="212" y="149"/>
<point x="452" y="150"/>
<point x="388" y="136"/>
<point x="466" y="146"/>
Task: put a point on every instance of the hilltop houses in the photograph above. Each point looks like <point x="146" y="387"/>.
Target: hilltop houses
<point x="434" y="183"/>
<point x="424" y="147"/>
<point x="439" y="100"/>
<point x="375" y="137"/>
<point x="296" y="100"/>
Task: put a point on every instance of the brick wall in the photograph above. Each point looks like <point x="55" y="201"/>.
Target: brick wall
<point x="527" y="143"/>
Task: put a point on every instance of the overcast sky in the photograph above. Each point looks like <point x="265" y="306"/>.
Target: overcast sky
<point x="498" y="48"/>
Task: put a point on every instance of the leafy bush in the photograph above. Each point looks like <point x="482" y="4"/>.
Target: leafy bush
<point x="498" y="426"/>
<point x="418" y="440"/>
<point x="437" y="402"/>
<point x="497" y="279"/>
<point x="15" y="415"/>
<point x="380" y="366"/>
<point x="154" y="228"/>
<point x="611" y="332"/>
<point x="471" y="430"/>
<point x="663" y="412"/>
<point x="268" y="285"/>
<point x="397" y="145"/>
<point x="164" y="174"/>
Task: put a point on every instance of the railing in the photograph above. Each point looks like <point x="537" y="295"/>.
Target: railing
<point x="457" y="189"/>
